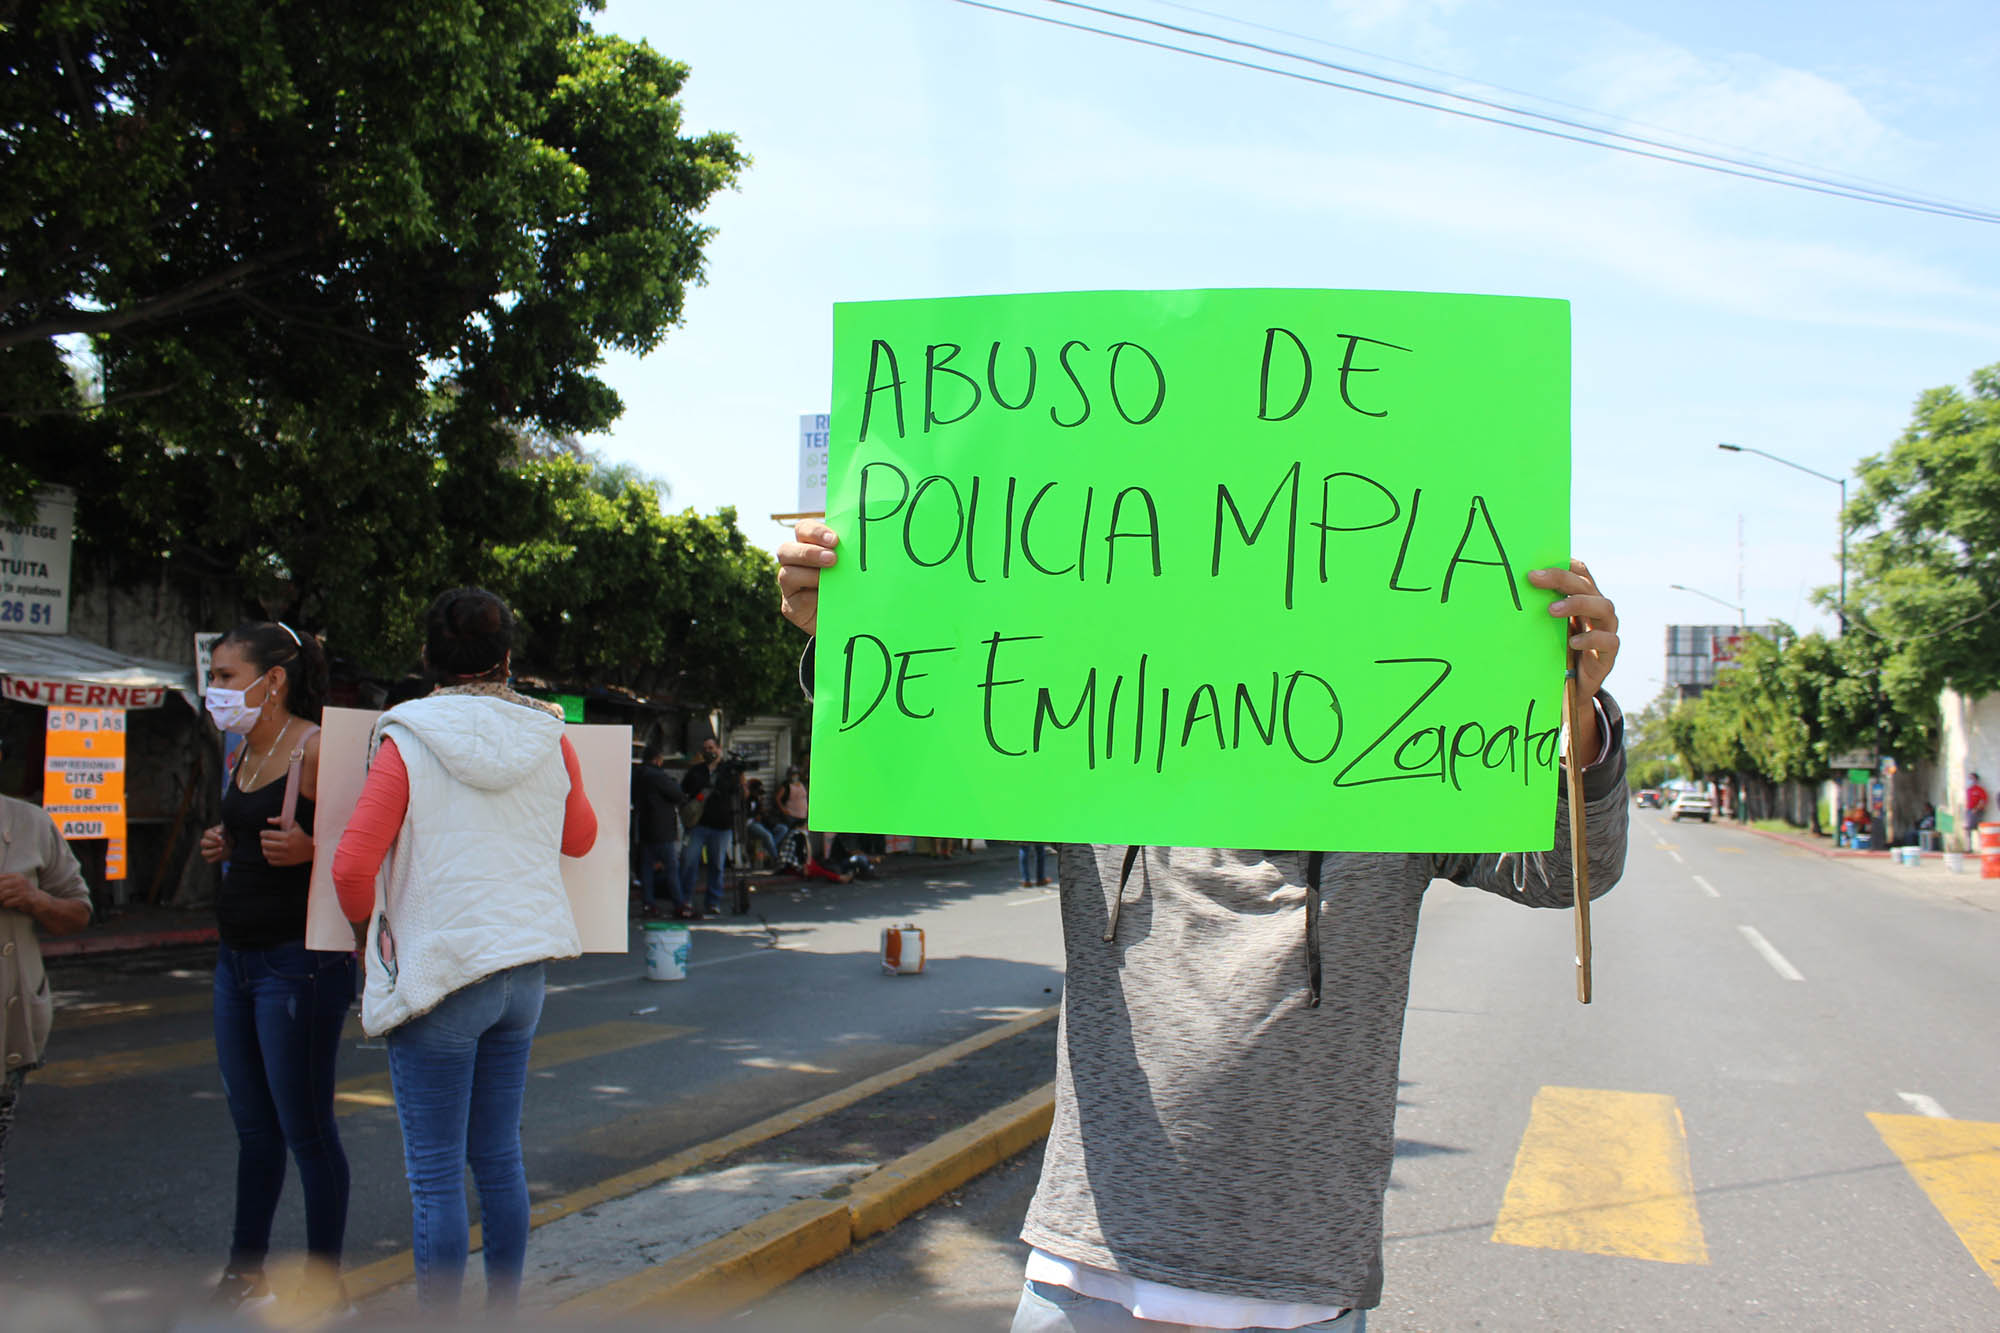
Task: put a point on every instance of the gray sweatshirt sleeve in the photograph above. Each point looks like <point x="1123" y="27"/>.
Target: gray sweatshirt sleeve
<point x="1542" y="878"/>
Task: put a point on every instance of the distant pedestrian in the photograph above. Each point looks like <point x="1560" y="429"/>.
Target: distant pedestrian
<point x="279" y="1006"/>
<point x="1975" y="805"/>
<point x="40" y="885"/>
<point x="1040" y="851"/>
<point x="763" y="822"/>
<point x="656" y="802"/>
<point x="714" y="829"/>
<point x="473" y="798"/>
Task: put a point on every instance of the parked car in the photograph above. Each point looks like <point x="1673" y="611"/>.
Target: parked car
<point x="1692" y="805"/>
<point x="1649" y="798"/>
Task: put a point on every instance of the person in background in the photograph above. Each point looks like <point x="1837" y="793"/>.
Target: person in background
<point x="42" y="886"/>
<point x="279" y="1006"/>
<point x="714" y="831"/>
<point x="1975" y="805"/>
<point x="473" y="798"/>
<point x="656" y="803"/>
<point x="763" y="821"/>
<point x="1041" y="855"/>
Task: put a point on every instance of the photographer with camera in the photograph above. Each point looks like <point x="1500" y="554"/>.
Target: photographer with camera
<point x="712" y="789"/>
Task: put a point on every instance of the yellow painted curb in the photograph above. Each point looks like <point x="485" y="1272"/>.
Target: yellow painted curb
<point x="373" y="1279"/>
<point x="729" y="1272"/>
<point x="918" y="1179"/>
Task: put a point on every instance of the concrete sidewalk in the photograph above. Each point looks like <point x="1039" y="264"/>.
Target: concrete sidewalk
<point x="1928" y="876"/>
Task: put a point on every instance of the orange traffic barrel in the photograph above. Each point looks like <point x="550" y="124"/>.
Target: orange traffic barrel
<point x="1989" y="851"/>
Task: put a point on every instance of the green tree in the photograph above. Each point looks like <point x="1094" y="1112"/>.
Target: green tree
<point x="615" y="590"/>
<point x="329" y="265"/>
<point x="1927" y="589"/>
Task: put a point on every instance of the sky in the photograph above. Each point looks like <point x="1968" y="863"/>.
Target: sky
<point x="920" y="148"/>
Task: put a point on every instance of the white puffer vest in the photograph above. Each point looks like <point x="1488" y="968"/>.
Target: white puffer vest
<point x="473" y="884"/>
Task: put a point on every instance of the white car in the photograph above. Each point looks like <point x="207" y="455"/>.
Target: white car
<point x="1692" y="805"/>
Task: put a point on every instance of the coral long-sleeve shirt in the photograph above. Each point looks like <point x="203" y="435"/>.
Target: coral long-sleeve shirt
<point x="385" y="800"/>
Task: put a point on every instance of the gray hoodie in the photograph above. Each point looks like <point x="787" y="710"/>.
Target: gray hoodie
<point x="1215" y="1129"/>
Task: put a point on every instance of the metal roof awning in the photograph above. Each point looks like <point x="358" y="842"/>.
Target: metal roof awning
<point x="69" y="672"/>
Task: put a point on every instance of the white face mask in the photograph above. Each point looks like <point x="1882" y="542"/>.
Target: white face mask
<point x="229" y="712"/>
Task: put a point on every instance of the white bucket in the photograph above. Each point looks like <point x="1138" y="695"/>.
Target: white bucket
<point x="902" y="950"/>
<point x="1954" y="862"/>
<point x="666" y="951"/>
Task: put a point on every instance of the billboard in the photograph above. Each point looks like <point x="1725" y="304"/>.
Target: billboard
<point x="1696" y="652"/>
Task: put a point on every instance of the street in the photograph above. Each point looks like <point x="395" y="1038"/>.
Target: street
<point x="119" y="1169"/>
<point x="1693" y="1148"/>
<point x="1800" y="1215"/>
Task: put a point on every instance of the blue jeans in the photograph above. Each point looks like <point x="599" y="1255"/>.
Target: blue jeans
<point x="460" y="1072"/>
<point x="1041" y="853"/>
<point x="668" y="857"/>
<point x="278" y="1016"/>
<point x="1047" y="1308"/>
<point x="716" y="841"/>
<point x="771" y="835"/>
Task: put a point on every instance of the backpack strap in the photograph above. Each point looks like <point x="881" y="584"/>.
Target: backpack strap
<point x="293" y="777"/>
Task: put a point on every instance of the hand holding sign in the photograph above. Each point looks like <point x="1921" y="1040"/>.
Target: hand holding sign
<point x="799" y="564"/>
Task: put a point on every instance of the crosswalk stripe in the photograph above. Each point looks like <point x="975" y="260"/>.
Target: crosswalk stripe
<point x="557" y="1048"/>
<point x="125" y="1064"/>
<point x="72" y="1017"/>
<point x="1957" y="1163"/>
<point x="354" y="1094"/>
<point x="1604" y="1173"/>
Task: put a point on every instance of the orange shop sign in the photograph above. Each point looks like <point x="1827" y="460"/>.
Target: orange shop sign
<point x="83" y="778"/>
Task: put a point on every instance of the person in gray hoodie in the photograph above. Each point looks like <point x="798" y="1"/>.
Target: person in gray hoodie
<point x="1223" y="1135"/>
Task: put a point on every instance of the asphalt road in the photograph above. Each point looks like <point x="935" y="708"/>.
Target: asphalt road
<point x="1716" y="1166"/>
<point x="121" y="1164"/>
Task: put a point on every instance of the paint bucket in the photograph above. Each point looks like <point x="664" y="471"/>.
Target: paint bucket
<point x="1909" y="856"/>
<point x="666" y="951"/>
<point x="1954" y="862"/>
<point x="902" y="950"/>
<point x="1989" y="851"/>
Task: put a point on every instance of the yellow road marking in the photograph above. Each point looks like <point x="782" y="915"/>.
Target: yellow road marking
<point x="1957" y="1162"/>
<point x="1730" y="851"/>
<point x="1604" y="1173"/>
<point x="125" y="1064"/>
<point x="558" y="1048"/>
<point x="88" y="1015"/>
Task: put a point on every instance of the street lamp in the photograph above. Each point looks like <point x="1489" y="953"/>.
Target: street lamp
<point x="1838" y="481"/>
<point x="1741" y="623"/>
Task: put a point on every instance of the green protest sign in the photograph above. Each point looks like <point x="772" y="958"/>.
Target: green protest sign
<point x="1204" y="568"/>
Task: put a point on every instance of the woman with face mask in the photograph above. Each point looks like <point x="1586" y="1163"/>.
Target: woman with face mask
<point x="279" y="1006"/>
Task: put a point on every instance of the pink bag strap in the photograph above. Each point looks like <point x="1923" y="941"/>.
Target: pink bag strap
<point x="293" y="777"/>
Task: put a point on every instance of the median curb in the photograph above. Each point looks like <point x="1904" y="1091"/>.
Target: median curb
<point x="730" y="1272"/>
<point x="373" y="1279"/>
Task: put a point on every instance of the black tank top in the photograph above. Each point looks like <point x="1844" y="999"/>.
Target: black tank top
<point x="261" y="905"/>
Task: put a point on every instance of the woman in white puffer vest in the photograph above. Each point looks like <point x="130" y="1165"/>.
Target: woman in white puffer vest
<point x="472" y="799"/>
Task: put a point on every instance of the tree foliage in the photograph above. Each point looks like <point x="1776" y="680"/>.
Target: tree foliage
<point x="339" y="279"/>
<point x="614" y="589"/>
<point x="1929" y="580"/>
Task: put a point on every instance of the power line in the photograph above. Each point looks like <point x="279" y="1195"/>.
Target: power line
<point x="1890" y="196"/>
<point x="1667" y="152"/>
<point x="1835" y="175"/>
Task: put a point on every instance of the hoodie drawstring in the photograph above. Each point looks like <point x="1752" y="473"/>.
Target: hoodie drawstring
<point x="1131" y="857"/>
<point x="1315" y="864"/>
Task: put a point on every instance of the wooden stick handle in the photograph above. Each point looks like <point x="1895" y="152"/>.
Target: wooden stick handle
<point x="1580" y="713"/>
